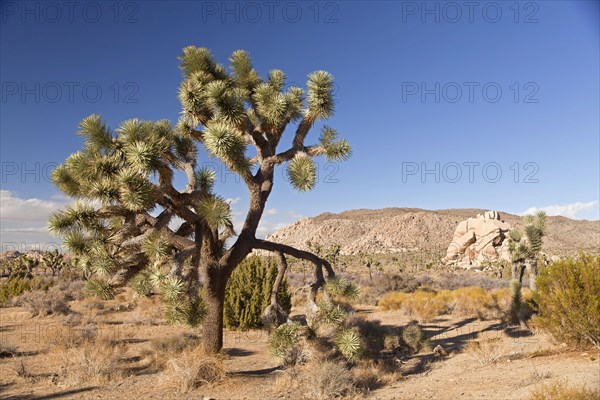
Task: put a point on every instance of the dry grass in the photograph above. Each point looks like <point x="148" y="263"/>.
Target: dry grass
<point x="42" y="303"/>
<point x="326" y="380"/>
<point x="7" y="349"/>
<point x="472" y="301"/>
<point x="192" y="369"/>
<point x="92" y="362"/>
<point x="66" y="337"/>
<point x="487" y="350"/>
<point x="561" y="391"/>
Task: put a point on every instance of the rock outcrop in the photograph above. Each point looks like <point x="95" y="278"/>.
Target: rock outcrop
<point x="400" y="230"/>
<point x="479" y="240"/>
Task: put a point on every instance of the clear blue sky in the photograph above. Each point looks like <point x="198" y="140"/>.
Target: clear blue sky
<point x="543" y="56"/>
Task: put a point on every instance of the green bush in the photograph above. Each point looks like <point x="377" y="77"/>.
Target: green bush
<point x="568" y="301"/>
<point x="244" y="303"/>
<point x="16" y="285"/>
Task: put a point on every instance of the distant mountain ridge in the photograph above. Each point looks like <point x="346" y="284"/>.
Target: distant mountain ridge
<point x="394" y="230"/>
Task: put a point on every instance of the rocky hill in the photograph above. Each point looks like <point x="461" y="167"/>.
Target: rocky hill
<point x="395" y="230"/>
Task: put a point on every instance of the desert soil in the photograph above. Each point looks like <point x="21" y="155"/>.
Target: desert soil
<point x="527" y="360"/>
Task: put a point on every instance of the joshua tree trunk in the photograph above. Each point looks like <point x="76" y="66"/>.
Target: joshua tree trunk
<point x="533" y="273"/>
<point x="214" y="298"/>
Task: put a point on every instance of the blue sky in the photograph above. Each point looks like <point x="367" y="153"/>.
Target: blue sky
<point x="493" y="107"/>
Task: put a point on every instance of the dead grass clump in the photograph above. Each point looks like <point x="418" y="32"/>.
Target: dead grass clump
<point x="473" y="301"/>
<point x="366" y="376"/>
<point x="7" y="349"/>
<point x="426" y="305"/>
<point x="92" y="362"/>
<point x="148" y="311"/>
<point x="192" y="369"/>
<point x="373" y="290"/>
<point x="560" y="391"/>
<point x="42" y="303"/>
<point x="164" y="349"/>
<point x="69" y="337"/>
<point x="326" y="380"/>
<point x="393" y="301"/>
<point x="487" y="350"/>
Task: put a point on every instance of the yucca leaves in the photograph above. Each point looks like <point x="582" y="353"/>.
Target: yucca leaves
<point x="349" y="342"/>
<point x="156" y="248"/>
<point x="320" y="94"/>
<point x="99" y="288"/>
<point x="96" y="133"/>
<point x="243" y="71"/>
<point x="215" y="211"/>
<point x="172" y="288"/>
<point x="222" y="141"/>
<point x="205" y="179"/>
<point x="335" y="150"/>
<point x="302" y="173"/>
<point x="285" y="338"/>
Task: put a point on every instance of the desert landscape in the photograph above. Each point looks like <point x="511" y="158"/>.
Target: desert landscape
<point x="429" y="328"/>
<point x="223" y="200"/>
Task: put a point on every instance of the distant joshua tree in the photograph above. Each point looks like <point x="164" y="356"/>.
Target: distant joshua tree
<point x="525" y="247"/>
<point x="131" y="219"/>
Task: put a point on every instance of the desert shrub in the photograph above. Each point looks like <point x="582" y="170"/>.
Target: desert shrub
<point x="41" y="303"/>
<point x="412" y="335"/>
<point x="192" y="369"/>
<point x="425" y="305"/>
<point x="93" y="362"/>
<point x="244" y="304"/>
<point x="386" y="283"/>
<point x="393" y="301"/>
<point x="326" y="380"/>
<point x="16" y="285"/>
<point x="457" y="280"/>
<point x="99" y="288"/>
<point x="486" y="350"/>
<point x="568" y="301"/>
<point x="7" y="349"/>
<point x="175" y="344"/>
<point x="68" y="337"/>
<point x="373" y="336"/>
<point x="560" y="391"/>
<point x="472" y="301"/>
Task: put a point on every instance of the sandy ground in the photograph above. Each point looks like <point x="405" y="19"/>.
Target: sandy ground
<point x="527" y="360"/>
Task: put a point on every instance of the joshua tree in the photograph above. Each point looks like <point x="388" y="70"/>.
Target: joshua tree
<point x="525" y="247"/>
<point x="53" y="260"/>
<point x="125" y="220"/>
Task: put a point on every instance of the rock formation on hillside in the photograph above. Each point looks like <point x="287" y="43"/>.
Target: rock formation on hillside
<point x="479" y="240"/>
<point x="401" y="230"/>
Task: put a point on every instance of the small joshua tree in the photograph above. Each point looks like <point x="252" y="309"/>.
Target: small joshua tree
<point x="525" y="247"/>
<point x="124" y="181"/>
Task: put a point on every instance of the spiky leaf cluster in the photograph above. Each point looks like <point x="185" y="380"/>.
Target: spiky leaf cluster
<point x="339" y="287"/>
<point x="350" y="343"/>
<point x="285" y="338"/>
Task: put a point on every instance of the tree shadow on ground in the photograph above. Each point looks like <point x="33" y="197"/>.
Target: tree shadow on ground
<point x="237" y="352"/>
<point x="255" y="372"/>
<point x="56" y="395"/>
